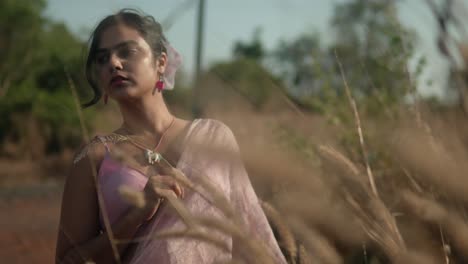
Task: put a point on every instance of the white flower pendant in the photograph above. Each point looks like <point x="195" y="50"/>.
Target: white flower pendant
<point x="152" y="157"/>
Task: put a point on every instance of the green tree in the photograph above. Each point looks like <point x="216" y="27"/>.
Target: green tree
<point x="20" y="27"/>
<point x="36" y="105"/>
<point x="253" y="50"/>
<point x="373" y="47"/>
<point x="246" y="73"/>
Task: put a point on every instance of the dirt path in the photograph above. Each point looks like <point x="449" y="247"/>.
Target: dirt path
<point x="28" y="223"/>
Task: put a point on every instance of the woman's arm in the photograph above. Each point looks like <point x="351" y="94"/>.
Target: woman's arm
<point x="79" y="237"/>
<point x="99" y="248"/>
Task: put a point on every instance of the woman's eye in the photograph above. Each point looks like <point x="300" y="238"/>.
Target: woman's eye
<point x="102" y="59"/>
<point x="127" y="52"/>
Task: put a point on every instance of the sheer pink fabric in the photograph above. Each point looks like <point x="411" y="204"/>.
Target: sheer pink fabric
<point x="227" y="175"/>
<point x="111" y="176"/>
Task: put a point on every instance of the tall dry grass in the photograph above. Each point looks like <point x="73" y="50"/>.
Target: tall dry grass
<point x="399" y="197"/>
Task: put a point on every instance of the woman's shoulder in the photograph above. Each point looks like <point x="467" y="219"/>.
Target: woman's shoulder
<point x="96" y="147"/>
<point x="213" y="129"/>
<point x="213" y="125"/>
<point x="212" y="133"/>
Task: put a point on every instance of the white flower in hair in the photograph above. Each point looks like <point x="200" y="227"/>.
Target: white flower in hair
<point x="174" y="61"/>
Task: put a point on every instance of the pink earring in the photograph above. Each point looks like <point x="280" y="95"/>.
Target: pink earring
<point x="106" y="97"/>
<point x="160" y="83"/>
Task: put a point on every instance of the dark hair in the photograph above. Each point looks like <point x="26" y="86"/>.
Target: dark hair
<point x="146" y="25"/>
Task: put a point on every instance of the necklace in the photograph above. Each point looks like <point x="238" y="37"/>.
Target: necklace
<point x="151" y="155"/>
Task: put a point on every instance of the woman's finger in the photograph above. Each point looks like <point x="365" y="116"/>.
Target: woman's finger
<point x="163" y="181"/>
<point x="165" y="192"/>
<point x="175" y="187"/>
<point x="178" y="190"/>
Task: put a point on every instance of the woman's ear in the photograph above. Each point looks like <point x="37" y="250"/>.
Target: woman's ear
<point x="161" y="63"/>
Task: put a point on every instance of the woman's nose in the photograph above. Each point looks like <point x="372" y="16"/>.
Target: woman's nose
<point x="115" y="63"/>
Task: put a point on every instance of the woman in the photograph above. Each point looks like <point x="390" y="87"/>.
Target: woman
<point x="131" y="62"/>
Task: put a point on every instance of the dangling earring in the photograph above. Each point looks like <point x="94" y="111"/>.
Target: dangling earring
<point x="160" y="83"/>
<point x="106" y="97"/>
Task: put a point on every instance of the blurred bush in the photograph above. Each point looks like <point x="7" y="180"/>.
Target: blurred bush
<point x="37" y="111"/>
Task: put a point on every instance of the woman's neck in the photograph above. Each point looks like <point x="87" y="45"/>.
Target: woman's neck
<point x="148" y="116"/>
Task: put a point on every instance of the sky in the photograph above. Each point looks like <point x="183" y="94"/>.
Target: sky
<point x="227" y="21"/>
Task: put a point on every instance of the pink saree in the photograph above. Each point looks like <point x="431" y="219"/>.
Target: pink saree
<point x="228" y="176"/>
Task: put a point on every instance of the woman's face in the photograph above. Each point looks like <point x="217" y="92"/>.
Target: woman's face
<point x="126" y="67"/>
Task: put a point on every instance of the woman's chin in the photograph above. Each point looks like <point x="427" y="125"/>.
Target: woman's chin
<point x="127" y="95"/>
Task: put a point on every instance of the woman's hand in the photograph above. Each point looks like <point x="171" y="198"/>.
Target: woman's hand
<point x="157" y="188"/>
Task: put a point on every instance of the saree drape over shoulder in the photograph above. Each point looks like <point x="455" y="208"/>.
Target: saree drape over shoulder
<point x="210" y="154"/>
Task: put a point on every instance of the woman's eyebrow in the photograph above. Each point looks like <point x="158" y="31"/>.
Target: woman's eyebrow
<point x="121" y="44"/>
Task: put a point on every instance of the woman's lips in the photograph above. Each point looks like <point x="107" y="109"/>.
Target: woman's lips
<point x="118" y="81"/>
